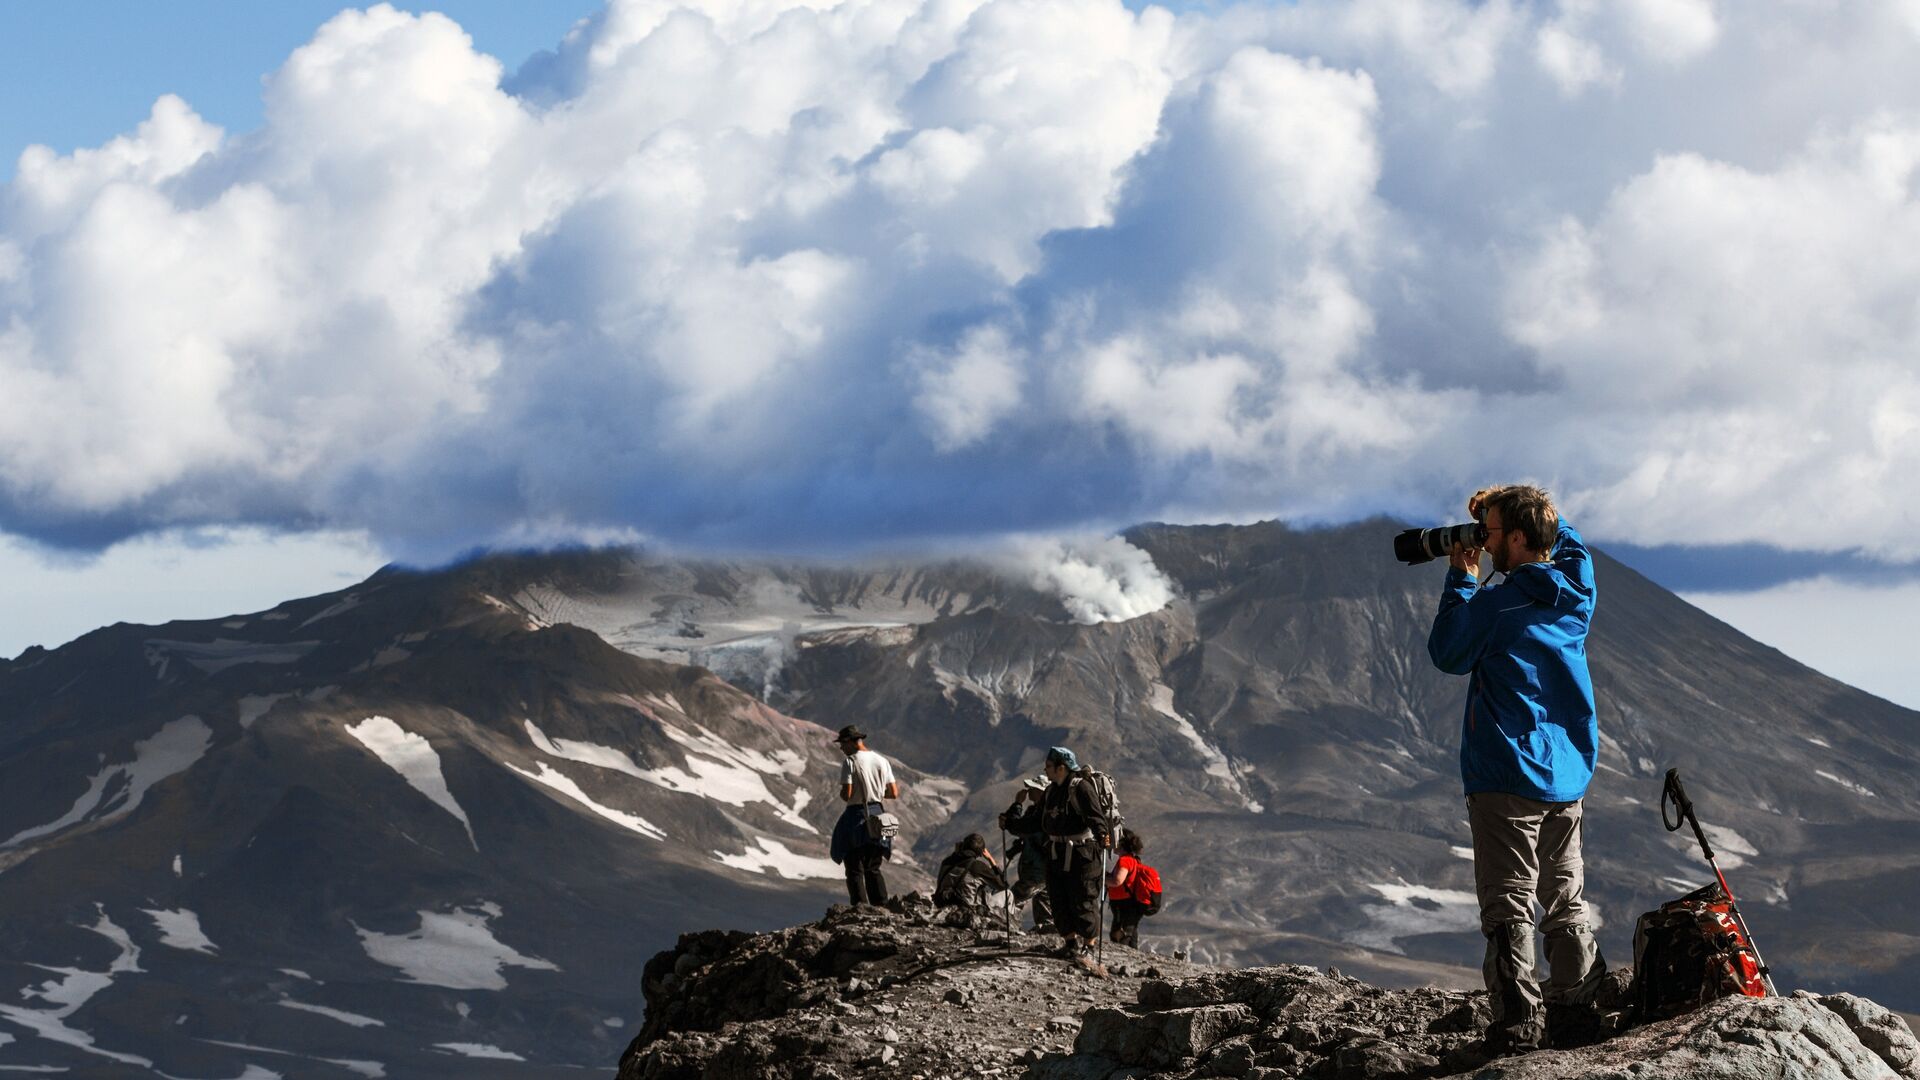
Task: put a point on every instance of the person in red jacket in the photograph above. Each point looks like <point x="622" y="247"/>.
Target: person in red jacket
<point x="1127" y="911"/>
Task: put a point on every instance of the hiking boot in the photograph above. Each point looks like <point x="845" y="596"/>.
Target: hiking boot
<point x="1524" y="1037"/>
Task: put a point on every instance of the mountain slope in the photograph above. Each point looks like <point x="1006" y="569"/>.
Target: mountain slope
<point x="451" y="813"/>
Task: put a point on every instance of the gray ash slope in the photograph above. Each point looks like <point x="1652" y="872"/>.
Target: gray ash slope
<point x="1276" y="729"/>
<point x="896" y="994"/>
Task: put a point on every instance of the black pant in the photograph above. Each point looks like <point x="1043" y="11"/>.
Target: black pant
<point x="1075" y="891"/>
<point x="1126" y="921"/>
<point x="1042" y="904"/>
<point x="864" y="883"/>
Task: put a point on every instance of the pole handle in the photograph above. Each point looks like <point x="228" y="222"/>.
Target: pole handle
<point x="1675" y="794"/>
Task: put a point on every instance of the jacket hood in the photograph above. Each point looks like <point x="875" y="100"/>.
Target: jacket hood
<point x="1543" y="584"/>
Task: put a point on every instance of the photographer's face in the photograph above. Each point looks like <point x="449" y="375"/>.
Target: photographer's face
<point x="1507" y="546"/>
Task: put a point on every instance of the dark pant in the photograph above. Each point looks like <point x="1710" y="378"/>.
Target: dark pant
<point x="1525" y="851"/>
<point x="1036" y="890"/>
<point x="1126" y="921"/>
<point x="864" y="883"/>
<point x="1075" y="891"/>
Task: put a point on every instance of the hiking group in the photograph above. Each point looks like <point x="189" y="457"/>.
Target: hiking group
<point x="1529" y="744"/>
<point x="1063" y="828"/>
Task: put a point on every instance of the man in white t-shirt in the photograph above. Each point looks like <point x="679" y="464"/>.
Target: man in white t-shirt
<point x="865" y="779"/>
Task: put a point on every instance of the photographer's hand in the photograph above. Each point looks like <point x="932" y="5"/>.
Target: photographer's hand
<point x="1465" y="559"/>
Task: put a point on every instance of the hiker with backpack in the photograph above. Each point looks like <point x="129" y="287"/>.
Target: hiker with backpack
<point x="863" y="837"/>
<point x="1075" y="815"/>
<point x="967" y="877"/>
<point x="1133" y="890"/>
<point x="1031" y="849"/>
<point x="1529" y="743"/>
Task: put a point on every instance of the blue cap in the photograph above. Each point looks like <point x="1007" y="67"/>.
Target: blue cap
<point x="1065" y="757"/>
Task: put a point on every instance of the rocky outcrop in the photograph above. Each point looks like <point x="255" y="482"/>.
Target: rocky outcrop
<point x="900" y="994"/>
<point x="1286" y="1022"/>
<point x="895" y="992"/>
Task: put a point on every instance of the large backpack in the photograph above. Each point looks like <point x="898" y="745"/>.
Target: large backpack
<point x="1145" y="886"/>
<point x="1107" y="799"/>
<point x="953" y="871"/>
<point x="1689" y="952"/>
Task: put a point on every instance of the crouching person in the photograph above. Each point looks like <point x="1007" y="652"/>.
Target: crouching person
<point x="1529" y="742"/>
<point x="968" y="879"/>
<point x="1132" y="890"/>
<point x="1075" y="828"/>
<point x="1031" y="849"/>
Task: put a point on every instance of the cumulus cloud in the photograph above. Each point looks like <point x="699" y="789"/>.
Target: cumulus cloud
<point x="1098" y="578"/>
<point x="772" y="273"/>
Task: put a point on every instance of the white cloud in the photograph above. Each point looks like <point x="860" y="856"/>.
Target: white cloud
<point x="966" y="394"/>
<point x="759" y="273"/>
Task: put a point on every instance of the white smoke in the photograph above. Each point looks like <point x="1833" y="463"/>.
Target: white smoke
<point x="1098" y="578"/>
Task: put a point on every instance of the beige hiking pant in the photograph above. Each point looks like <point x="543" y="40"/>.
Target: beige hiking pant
<point x="1525" y="851"/>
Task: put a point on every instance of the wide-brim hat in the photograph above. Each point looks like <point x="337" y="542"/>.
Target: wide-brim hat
<point x="1034" y="783"/>
<point x="851" y="733"/>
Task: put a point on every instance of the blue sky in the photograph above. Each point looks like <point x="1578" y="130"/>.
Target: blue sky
<point x="369" y="285"/>
<point x="76" y="75"/>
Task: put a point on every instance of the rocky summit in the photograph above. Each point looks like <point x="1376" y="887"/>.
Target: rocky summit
<point x="909" y="993"/>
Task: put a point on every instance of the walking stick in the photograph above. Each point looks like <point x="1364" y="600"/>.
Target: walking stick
<point x="1006" y="895"/>
<point x="1676" y="794"/>
<point x="1100" y="918"/>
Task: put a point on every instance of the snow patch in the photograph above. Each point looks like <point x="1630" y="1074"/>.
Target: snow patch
<point x="1217" y="764"/>
<point x="565" y="784"/>
<point x="181" y="930"/>
<point x="178" y="871"/>
<point x="1857" y="789"/>
<point x="74" y="989"/>
<point x="715" y="769"/>
<point x="353" y="1019"/>
<point x="480" y="1050"/>
<point x="220" y="654"/>
<point x="1729" y="846"/>
<point x="1462" y="852"/>
<point x="456" y="950"/>
<point x="1818" y="741"/>
<point x="371" y="1069"/>
<point x="172" y="749"/>
<point x="586" y="753"/>
<point x="1413" y="910"/>
<point x="771" y="855"/>
<point x="337" y="608"/>
<point x="254" y="706"/>
<point x="413" y="758"/>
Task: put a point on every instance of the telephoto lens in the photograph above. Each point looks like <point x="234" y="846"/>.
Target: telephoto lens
<point x="1415" y="546"/>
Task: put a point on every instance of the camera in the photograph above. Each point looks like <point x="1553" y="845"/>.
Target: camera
<point x="1416" y="546"/>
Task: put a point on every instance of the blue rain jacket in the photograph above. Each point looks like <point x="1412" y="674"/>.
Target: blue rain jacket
<point x="1530" y="728"/>
<point x="850" y="832"/>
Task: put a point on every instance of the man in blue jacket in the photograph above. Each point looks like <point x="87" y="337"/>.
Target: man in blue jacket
<point x="1527" y="750"/>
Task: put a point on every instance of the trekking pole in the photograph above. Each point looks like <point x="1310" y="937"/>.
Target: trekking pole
<point x="1676" y="794"/>
<point x="1006" y="895"/>
<point x="1100" y="918"/>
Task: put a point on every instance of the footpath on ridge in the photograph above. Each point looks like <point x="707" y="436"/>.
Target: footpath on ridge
<point x="897" y="993"/>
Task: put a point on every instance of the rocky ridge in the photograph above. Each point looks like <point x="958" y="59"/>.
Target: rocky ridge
<point x="899" y="993"/>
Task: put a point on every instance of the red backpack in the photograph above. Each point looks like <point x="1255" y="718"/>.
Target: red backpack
<point x="1145" y="886"/>
<point x="1689" y="952"/>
